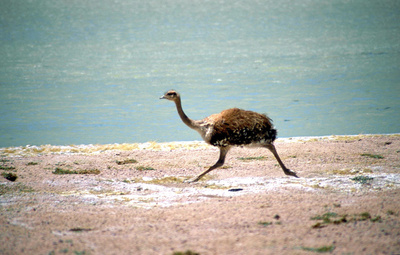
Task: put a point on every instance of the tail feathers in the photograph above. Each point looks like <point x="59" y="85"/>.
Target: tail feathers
<point x="272" y="133"/>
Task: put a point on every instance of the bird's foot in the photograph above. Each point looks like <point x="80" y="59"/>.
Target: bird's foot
<point x="191" y="180"/>
<point x="291" y="173"/>
<point x="195" y="179"/>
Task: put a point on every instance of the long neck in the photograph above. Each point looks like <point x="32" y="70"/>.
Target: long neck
<point x="189" y="122"/>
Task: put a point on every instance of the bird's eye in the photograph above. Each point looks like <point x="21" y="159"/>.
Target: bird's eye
<point x="171" y="94"/>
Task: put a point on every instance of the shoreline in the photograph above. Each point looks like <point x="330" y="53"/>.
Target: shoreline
<point x="29" y="150"/>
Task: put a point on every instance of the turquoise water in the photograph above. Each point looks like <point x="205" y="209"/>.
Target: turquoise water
<point x="91" y="72"/>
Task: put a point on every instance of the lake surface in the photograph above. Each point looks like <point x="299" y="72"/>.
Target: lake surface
<point x="92" y="72"/>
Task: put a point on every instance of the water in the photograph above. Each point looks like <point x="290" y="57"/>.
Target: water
<point x="82" y="72"/>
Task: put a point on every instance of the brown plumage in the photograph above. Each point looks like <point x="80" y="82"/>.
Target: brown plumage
<point x="231" y="127"/>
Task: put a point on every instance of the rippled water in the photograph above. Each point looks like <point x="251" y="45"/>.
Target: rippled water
<point x="80" y="72"/>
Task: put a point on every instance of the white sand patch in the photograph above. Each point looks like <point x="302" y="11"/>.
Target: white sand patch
<point x="145" y="195"/>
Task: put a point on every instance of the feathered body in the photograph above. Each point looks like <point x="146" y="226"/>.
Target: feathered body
<point x="238" y="127"/>
<point x="231" y="127"/>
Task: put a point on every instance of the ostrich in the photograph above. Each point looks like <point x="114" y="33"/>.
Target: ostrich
<point x="231" y="127"/>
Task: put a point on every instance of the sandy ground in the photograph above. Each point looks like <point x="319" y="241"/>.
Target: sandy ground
<point x="131" y="199"/>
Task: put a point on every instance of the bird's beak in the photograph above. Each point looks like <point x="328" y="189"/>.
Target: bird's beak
<point x="162" y="97"/>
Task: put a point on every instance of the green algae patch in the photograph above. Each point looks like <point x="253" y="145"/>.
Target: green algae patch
<point x="59" y="170"/>
<point x="144" y="168"/>
<point x="375" y="156"/>
<point x="13" y="188"/>
<point x="362" y="179"/>
<point x="252" y="158"/>
<point x="321" y="249"/>
<point x="336" y="219"/>
<point x="126" y="161"/>
<point x="32" y="163"/>
<point x="265" y="223"/>
<point x="7" y="168"/>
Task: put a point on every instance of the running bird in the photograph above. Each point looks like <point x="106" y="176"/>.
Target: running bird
<point x="231" y="127"/>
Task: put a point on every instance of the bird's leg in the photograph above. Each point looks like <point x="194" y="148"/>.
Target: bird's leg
<point x="287" y="171"/>
<point x="222" y="154"/>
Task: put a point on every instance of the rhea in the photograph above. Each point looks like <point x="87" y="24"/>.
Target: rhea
<point x="231" y="127"/>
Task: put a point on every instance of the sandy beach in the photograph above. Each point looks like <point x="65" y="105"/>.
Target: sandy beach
<point x="132" y="198"/>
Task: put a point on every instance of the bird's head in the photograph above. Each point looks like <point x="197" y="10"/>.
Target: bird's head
<point x="171" y="95"/>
